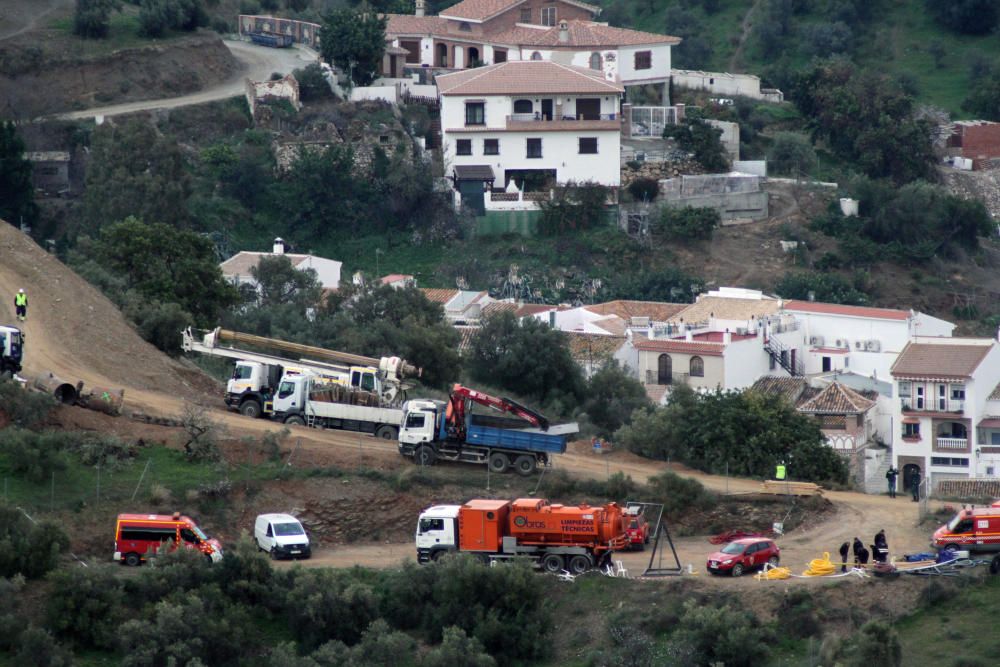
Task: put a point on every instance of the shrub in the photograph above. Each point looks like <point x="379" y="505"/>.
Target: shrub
<point x="644" y="189"/>
<point x="798" y="614"/>
<point x="312" y="83"/>
<point x="573" y="207"/>
<point x="28" y="548"/>
<point x="457" y="649"/>
<point x="687" y="224"/>
<point x="828" y="287"/>
<point x="92" y="17"/>
<point x="39" y="648"/>
<point x="791" y="154"/>
<point x="878" y="645"/>
<point x="201" y="433"/>
<point x="24" y="408"/>
<point x="34" y="456"/>
<point x="612" y="396"/>
<point x="707" y="635"/>
<point x="679" y="494"/>
<point x="329" y="605"/>
<point x="87" y="606"/>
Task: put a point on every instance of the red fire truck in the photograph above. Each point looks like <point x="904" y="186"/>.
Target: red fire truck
<point x="139" y="535"/>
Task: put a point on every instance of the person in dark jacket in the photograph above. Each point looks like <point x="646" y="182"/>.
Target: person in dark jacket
<point x="863" y="556"/>
<point x="890" y="477"/>
<point x="880" y="550"/>
<point x="915" y="485"/>
<point x="845" y="549"/>
<point x="857" y="547"/>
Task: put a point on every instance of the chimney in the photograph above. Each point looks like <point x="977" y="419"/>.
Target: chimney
<point x="563" y="31"/>
<point x="279" y="246"/>
<point x="727" y="337"/>
<point x="418" y="9"/>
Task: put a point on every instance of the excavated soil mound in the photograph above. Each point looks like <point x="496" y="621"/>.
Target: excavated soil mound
<point x="76" y="333"/>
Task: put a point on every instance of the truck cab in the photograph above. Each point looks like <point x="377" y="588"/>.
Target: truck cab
<point x="437" y="532"/>
<point x="11" y="350"/>
<point x="420" y="421"/>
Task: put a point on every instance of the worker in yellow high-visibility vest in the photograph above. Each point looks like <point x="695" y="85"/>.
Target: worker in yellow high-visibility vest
<point x="779" y="472"/>
<point x="21" y="304"/>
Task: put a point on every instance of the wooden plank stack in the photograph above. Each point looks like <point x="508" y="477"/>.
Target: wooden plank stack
<point x="780" y="487"/>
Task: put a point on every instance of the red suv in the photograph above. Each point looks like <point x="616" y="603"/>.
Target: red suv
<point x="741" y="555"/>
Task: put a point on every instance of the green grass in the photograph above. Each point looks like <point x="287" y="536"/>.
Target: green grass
<point x="963" y="626"/>
<point x="122" y="34"/>
<point x="896" y="42"/>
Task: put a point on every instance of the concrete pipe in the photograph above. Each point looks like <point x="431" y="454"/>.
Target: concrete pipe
<point x="102" y="399"/>
<point x="62" y="391"/>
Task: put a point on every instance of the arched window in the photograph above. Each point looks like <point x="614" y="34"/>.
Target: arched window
<point x="697" y="367"/>
<point x="664" y="369"/>
<point x="595" y="60"/>
<point x="536" y="56"/>
<point x="523" y="106"/>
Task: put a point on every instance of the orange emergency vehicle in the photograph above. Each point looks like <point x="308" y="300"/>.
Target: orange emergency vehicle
<point x="138" y="535"/>
<point x="557" y="537"/>
<point x="975" y="529"/>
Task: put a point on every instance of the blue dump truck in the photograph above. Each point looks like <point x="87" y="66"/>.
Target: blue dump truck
<point x="273" y="39"/>
<point x="448" y="431"/>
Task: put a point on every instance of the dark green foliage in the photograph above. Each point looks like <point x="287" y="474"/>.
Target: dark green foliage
<point x="909" y="224"/>
<point x="17" y="193"/>
<point x="791" y="154"/>
<point x="92" y="17"/>
<point x="574" y="207"/>
<point x="686" y="224"/>
<point x="34" y="456"/>
<point x="26" y="548"/>
<point x="278" y="282"/>
<point x="24" y="408"/>
<point x="354" y="41"/>
<point x="501" y="607"/>
<point x="671" y="284"/>
<point x="709" y="635"/>
<point x="331" y="605"/>
<point x="826" y="287"/>
<point x="866" y="118"/>
<point x="525" y="356"/>
<point x="970" y="17"/>
<point x="748" y="432"/>
<point x="135" y="171"/>
<point x="644" y="189"/>
<point x="39" y="648"/>
<point x="158" y="16"/>
<point x="164" y="264"/>
<point x="612" y="396"/>
<point x="697" y="136"/>
<point x="312" y="83"/>
<point x="457" y="649"/>
<point x="798" y="614"/>
<point x="160" y="323"/>
<point x="828" y="39"/>
<point x="984" y="98"/>
<point x="87" y="606"/>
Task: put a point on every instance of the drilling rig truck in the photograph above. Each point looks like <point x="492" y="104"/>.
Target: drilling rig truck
<point x="556" y="537"/>
<point x="323" y="388"/>
<point x="438" y="431"/>
<point x="11" y="350"/>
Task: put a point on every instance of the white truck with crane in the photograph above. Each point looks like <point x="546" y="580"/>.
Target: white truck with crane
<point x="11" y="350"/>
<point x="324" y="388"/>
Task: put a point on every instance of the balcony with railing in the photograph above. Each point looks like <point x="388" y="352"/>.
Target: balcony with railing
<point x="951" y="444"/>
<point x="942" y="405"/>
<point x="535" y="122"/>
<point x="655" y="377"/>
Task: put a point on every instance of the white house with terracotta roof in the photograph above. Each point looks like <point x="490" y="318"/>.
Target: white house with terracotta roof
<point x="530" y="123"/>
<point x="945" y="416"/>
<point x="461" y="307"/>
<point x="476" y="32"/>
<point x="238" y="268"/>
<point x="859" y="339"/>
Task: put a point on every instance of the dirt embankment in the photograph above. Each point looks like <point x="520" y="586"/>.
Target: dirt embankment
<point x="40" y="74"/>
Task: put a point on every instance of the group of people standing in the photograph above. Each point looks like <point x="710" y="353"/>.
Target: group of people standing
<point x="891" y="475"/>
<point x="879" y="551"/>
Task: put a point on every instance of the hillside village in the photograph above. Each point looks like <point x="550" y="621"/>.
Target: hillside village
<point x="497" y="332"/>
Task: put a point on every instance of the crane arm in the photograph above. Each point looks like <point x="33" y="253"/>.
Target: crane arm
<point x="460" y="394"/>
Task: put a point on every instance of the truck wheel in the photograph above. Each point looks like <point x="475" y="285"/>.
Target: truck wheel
<point x="424" y="456"/>
<point x="525" y="465"/>
<point x="579" y="564"/>
<point x="552" y="563"/>
<point x="499" y="462"/>
<point x="387" y="433"/>
<point x="295" y="420"/>
<point x="132" y="560"/>
<point x="250" y="408"/>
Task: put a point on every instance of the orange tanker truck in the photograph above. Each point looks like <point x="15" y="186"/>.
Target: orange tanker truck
<point x="557" y="537"/>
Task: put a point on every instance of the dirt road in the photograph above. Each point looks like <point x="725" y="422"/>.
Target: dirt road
<point x="20" y="16"/>
<point x="259" y="62"/>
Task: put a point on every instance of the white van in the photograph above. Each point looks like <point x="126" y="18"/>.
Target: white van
<point x="282" y="536"/>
